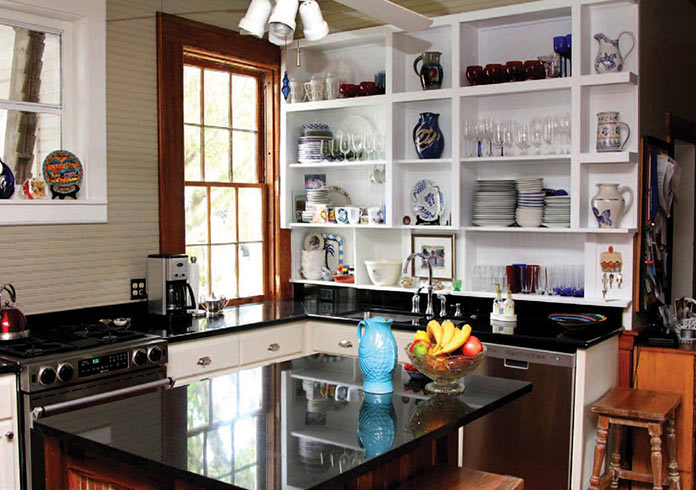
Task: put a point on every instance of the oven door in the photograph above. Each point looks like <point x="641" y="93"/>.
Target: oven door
<point x="99" y="403"/>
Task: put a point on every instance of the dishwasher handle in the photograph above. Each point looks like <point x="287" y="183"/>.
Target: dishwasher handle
<point x="516" y="364"/>
<point x="86" y="401"/>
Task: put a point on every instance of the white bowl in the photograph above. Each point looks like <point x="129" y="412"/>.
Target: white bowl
<point x="383" y="272"/>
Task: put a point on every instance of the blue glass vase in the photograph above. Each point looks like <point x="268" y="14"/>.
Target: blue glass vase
<point x="428" y="137"/>
<point x="376" y="424"/>
<point x="377" y="354"/>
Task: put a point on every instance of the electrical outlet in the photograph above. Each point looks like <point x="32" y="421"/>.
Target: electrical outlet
<point x="138" y="289"/>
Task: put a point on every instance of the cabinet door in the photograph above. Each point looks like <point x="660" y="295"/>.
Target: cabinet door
<point x="9" y="454"/>
<point x="336" y="339"/>
<point x="8" y="396"/>
<point x="198" y="358"/>
<point x="271" y="343"/>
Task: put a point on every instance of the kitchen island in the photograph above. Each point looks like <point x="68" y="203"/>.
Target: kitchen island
<point x="298" y="424"/>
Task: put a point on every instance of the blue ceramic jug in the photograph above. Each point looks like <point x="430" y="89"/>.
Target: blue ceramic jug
<point x="428" y="137"/>
<point x="377" y="424"/>
<point x="377" y="354"/>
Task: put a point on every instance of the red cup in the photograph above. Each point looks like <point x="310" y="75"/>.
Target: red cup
<point x="348" y="90"/>
<point x="368" y="88"/>
<point x="513" y="277"/>
<point x="515" y="70"/>
<point x="476" y="76"/>
<point x="534" y="69"/>
<point x="497" y="73"/>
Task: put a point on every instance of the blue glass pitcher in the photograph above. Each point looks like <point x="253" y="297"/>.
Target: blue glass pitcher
<point x="377" y="354"/>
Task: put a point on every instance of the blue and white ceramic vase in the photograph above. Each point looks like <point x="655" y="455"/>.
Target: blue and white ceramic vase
<point x="377" y="354"/>
<point x="608" y="205"/>
<point x="7" y="181"/>
<point x="609" y="58"/>
<point x="376" y="424"/>
<point x="428" y="137"/>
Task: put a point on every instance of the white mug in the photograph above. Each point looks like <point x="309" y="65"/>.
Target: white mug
<point x="353" y="215"/>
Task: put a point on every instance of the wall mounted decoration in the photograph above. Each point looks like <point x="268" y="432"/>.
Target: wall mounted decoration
<point x="440" y="252"/>
<point x="63" y="173"/>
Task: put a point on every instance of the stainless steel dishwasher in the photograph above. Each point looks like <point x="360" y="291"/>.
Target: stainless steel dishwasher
<point x="531" y="437"/>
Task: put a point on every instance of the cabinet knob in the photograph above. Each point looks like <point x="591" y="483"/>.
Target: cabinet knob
<point x="273" y="347"/>
<point x="346" y="344"/>
<point x="204" y="361"/>
<point x="9" y="435"/>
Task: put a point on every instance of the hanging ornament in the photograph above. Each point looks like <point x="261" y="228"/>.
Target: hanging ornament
<point x="286" y="86"/>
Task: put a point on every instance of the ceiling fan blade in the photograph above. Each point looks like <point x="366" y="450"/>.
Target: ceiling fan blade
<point x="391" y="13"/>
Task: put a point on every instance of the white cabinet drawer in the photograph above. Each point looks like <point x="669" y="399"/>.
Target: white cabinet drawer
<point x="335" y="339"/>
<point x="9" y="455"/>
<point x="271" y="343"/>
<point x="8" y="396"/>
<point x="198" y="357"/>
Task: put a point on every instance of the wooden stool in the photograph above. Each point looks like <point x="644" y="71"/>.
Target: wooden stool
<point x="455" y="478"/>
<point x="636" y="408"/>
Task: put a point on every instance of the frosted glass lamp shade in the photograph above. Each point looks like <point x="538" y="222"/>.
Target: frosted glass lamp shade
<point x="315" y="27"/>
<point x="254" y="22"/>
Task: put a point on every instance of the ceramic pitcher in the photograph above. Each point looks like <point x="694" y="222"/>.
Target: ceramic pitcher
<point x="609" y="132"/>
<point x="377" y="354"/>
<point x="609" y="57"/>
<point x="430" y="72"/>
<point x="608" y="205"/>
<point x="428" y="137"/>
<point x="377" y="424"/>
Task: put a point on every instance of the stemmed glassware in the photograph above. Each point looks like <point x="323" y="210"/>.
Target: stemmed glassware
<point x="369" y="145"/>
<point x="549" y="135"/>
<point x="535" y="135"/>
<point x="327" y="150"/>
<point x="522" y="137"/>
<point x="498" y="138"/>
<point x="345" y="145"/>
<point x="469" y="135"/>
<point x="562" y="123"/>
<point x="379" y="145"/>
<point x="356" y="144"/>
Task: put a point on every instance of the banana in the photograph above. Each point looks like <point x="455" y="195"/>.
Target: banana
<point x="448" y="331"/>
<point x="459" y="339"/>
<point x="422" y="335"/>
<point x="435" y="332"/>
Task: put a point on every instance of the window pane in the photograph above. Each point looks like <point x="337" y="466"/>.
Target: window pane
<point x="244" y="91"/>
<point x="192" y="94"/>
<point x="197" y="402"/>
<point x="201" y="253"/>
<point x="250" y="214"/>
<point x="224" y="270"/>
<point x="223" y="215"/>
<point x="217" y="155"/>
<point x="196" y="215"/>
<point x="30" y="65"/>
<point x="219" y="451"/>
<point x="224" y="397"/>
<point x="192" y="153"/>
<point x="246" y="478"/>
<point x="244" y="157"/>
<point x="26" y="138"/>
<point x="195" y="453"/>
<point x="217" y="98"/>
<point x="251" y="269"/>
<point x="245" y="443"/>
<point x="252" y="382"/>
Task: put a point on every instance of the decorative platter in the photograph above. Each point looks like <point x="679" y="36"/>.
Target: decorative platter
<point x="313" y="241"/>
<point x="63" y="173"/>
<point x="333" y="247"/>
<point x="427" y="200"/>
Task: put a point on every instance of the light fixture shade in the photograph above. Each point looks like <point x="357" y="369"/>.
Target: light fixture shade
<point x="279" y="40"/>
<point x="282" y="21"/>
<point x="315" y="27"/>
<point x="254" y="22"/>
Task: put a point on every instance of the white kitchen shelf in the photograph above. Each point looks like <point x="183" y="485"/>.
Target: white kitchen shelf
<point x="336" y="225"/>
<point x="336" y="103"/>
<point x="427" y="228"/>
<point x="517" y="229"/>
<point x="609" y="157"/>
<point x="422" y="161"/>
<point x="528" y="86"/>
<point x="626" y="77"/>
<point x="326" y="164"/>
<point x="562" y="159"/>
<point x="328" y="435"/>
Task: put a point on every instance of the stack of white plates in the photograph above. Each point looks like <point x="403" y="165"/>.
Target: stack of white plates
<point x="309" y="143"/>
<point x="530" y="201"/>
<point x="557" y="212"/>
<point x="494" y="203"/>
<point x="314" y="196"/>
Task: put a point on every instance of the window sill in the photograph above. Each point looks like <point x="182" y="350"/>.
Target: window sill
<point x="17" y="212"/>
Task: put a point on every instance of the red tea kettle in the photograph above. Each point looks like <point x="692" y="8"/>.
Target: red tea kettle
<point x="13" y="323"/>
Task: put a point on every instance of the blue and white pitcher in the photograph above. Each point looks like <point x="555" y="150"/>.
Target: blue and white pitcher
<point x="377" y="355"/>
<point x="609" y="57"/>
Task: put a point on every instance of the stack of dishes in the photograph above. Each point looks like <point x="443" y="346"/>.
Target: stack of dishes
<point x="557" y="211"/>
<point x="314" y="197"/>
<point x="494" y="203"/>
<point x="530" y="201"/>
<point x="309" y="143"/>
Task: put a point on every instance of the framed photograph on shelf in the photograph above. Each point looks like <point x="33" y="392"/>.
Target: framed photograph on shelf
<point x="440" y="252"/>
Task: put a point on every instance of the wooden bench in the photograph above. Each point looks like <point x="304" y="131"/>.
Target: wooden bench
<point x="455" y="478"/>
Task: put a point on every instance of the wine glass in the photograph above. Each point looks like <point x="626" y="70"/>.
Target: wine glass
<point x="498" y="138"/>
<point x="327" y="150"/>
<point x="508" y="137"/>
<point x="338" y="138"/>
<point x="562" y="123"/>
<point x="535" y="135"/>
<point x="549" y="135"/>
<point x="522" y="137"/>
<point x="345" y="145"/>
<point x="468" y="134"/>
<point x="489" y="125"/>
<point x="379" y="145"/>
<point x="369" y="145"/>
<point x="356" y="144"/>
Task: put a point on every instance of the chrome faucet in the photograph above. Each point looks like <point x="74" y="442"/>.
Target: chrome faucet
<point x="443" y="304"/>
<point x="429" y="288"/>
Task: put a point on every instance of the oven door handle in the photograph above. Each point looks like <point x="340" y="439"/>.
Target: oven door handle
<point x="62" y="407"/>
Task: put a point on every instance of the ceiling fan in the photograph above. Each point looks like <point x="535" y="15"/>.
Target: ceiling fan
<point x="279" y="19"/>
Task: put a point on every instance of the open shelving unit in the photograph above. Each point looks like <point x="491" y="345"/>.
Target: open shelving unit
<point x="477" y="37"/>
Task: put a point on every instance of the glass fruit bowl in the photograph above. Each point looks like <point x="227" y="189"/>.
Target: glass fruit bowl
<point x="445" y="370"/>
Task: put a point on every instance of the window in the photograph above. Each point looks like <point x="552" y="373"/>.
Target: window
<point x="224" y="178"/>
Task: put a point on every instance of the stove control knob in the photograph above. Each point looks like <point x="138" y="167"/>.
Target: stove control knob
<point x="154" y="354"/>
<point x="139" y="357"/>
<point x="47" y="375"/>
<point x="65" y="372"/>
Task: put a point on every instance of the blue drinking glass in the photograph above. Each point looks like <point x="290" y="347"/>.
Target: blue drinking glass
<point x="558" y="45"/>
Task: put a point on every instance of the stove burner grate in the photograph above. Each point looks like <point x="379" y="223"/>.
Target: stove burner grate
<point x="32" y="347"/>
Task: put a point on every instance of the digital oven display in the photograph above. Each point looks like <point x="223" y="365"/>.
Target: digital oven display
<point x="103" y="364"/>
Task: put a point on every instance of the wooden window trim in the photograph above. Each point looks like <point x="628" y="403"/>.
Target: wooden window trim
<point x="177" y="38"/>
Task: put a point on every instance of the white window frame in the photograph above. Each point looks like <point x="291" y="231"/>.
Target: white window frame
<point x="82" y="24"/>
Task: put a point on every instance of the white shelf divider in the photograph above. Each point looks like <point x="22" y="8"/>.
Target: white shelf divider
<point x="561" y="158"/>
<point x="327" y="164"/>
<point x="609" y="157"/>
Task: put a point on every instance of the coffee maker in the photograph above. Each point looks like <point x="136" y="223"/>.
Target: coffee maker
<point x="169" y="294"/>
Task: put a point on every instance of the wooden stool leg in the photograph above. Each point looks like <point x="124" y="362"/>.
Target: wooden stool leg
<point x="615" y="464"/>
<point x="672" y="455"/>
<point x="600" y="447"/>
<point x="655" y="431"/>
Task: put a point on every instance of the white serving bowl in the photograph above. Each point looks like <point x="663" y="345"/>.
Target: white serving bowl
<point x="383" y="272"/>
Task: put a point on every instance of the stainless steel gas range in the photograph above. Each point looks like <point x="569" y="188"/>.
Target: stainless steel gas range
<point x="70" y="367"/>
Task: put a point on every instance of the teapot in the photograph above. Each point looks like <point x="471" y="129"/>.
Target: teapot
<point x="609" y="57"/>
<point x="13" y="323"/>
<point x="377" y="354"/>
<point x="213" y="306"/>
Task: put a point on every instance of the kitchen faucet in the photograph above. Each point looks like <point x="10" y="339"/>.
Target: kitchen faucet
<point x="429" y="288"/>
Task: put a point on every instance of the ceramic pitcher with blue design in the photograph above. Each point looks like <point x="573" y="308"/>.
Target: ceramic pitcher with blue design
<point x="609" y="57"/>
<point x="377" y="354"/>
<point x="428" y="137"/>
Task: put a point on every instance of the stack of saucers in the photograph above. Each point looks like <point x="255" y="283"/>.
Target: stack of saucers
<point x="494" y="203"/>
<point x="530" y="201"/>
<point x="557" y="211"/>
<point x="309" y="143"/>
<point x="314" y="196"/>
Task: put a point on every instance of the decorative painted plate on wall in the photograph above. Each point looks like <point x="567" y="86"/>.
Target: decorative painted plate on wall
<point x="63" y="173"/>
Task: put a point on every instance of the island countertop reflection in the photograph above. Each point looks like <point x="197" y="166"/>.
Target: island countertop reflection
<point x="299" y="424"/>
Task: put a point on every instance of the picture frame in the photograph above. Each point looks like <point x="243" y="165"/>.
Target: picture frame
<point x="441" y="250"/>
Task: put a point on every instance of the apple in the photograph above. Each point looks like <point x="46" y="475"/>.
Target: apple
<point x="410" y="367"/>
<point x="472" y="347"/>
<point x="416" y="342"/>
<point x="420" y="350"/>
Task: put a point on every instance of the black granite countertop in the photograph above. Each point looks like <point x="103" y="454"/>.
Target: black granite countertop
<point x="216" y="433"/>
<point x="7" y="367"/>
